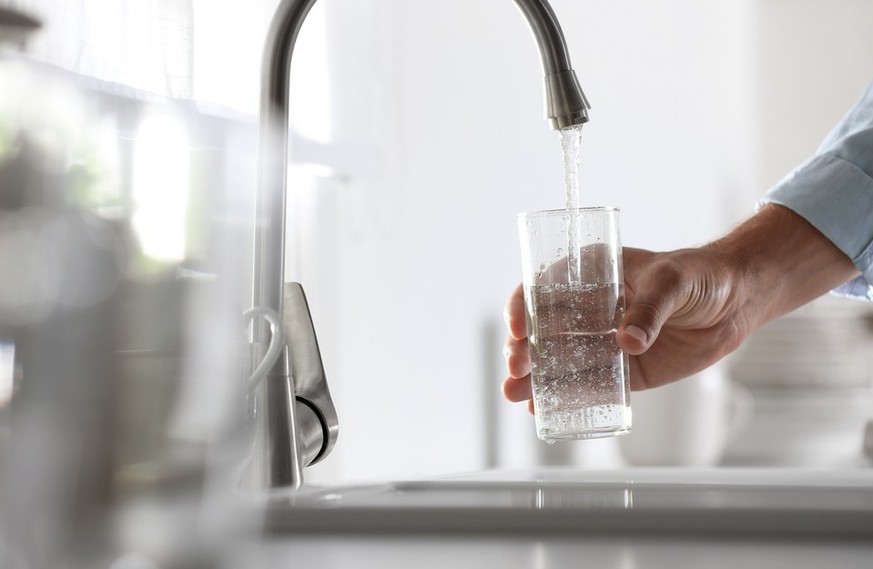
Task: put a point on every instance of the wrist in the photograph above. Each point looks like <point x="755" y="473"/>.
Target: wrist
<point x="777" y="261"/>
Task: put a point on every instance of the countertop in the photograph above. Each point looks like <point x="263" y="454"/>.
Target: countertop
<point x="543" y="552"/>
<point x="829" y="524"/>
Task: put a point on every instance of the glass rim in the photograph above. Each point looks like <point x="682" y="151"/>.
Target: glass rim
<point x="564" y="211"/>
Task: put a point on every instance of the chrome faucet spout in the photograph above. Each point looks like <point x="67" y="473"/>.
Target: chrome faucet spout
<point x="565" y="104"/>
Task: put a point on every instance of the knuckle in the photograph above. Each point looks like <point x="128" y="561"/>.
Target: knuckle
<point x="650" y="314"/>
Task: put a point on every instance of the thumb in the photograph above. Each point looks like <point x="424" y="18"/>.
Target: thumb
<point x="656" y="298"/>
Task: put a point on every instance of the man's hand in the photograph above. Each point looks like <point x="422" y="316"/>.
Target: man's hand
<point x="687" y="309"/>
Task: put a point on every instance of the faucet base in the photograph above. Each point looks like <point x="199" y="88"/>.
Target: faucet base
<point x="293" y="416"/>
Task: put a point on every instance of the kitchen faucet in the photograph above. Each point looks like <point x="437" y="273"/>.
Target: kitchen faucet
<point x="295" y="420"/>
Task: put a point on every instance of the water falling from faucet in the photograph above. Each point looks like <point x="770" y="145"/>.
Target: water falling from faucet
<point x="571" y="147"/>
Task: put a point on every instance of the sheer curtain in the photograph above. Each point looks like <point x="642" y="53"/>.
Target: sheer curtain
<point x="208" y="50"/>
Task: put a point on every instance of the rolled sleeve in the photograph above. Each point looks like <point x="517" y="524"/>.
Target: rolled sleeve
<point x="834" y="192"/>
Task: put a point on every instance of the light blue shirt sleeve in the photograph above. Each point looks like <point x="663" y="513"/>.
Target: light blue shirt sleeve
<point x="833" y="190"/>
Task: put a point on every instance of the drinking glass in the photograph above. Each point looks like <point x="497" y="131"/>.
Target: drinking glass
<point x="574" y="298"/>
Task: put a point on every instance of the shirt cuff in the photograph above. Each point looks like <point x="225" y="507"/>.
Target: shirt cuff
<point x="836" y="197"/>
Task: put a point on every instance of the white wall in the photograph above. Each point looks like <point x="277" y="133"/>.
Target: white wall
<point x="814" y="59"/>
<point x="439" y="140"/>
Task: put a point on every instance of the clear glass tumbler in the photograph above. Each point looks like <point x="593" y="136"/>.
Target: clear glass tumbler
<point x="574" y="297"/>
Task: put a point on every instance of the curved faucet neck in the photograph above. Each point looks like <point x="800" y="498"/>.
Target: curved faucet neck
<point x="565" y="104"/>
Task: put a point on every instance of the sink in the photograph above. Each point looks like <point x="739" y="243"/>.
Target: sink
<point x="728" y="501"/>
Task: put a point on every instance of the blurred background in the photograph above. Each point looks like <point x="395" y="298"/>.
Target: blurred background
<point x="418" y="134"/>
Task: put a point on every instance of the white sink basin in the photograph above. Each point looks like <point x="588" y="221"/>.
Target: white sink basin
<point x="754" y="501"/>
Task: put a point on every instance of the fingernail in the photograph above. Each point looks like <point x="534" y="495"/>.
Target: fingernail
<point x="637" y="333"/>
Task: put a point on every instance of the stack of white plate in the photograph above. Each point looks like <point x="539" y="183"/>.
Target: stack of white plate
<point x="827" y="343"/>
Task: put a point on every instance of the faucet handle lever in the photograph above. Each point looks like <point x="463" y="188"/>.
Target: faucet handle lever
<point x="307" y="370"/>
<point x="294" y="418"/>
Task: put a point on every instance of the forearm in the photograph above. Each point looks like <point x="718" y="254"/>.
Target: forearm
<point x="780" y="262"/>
